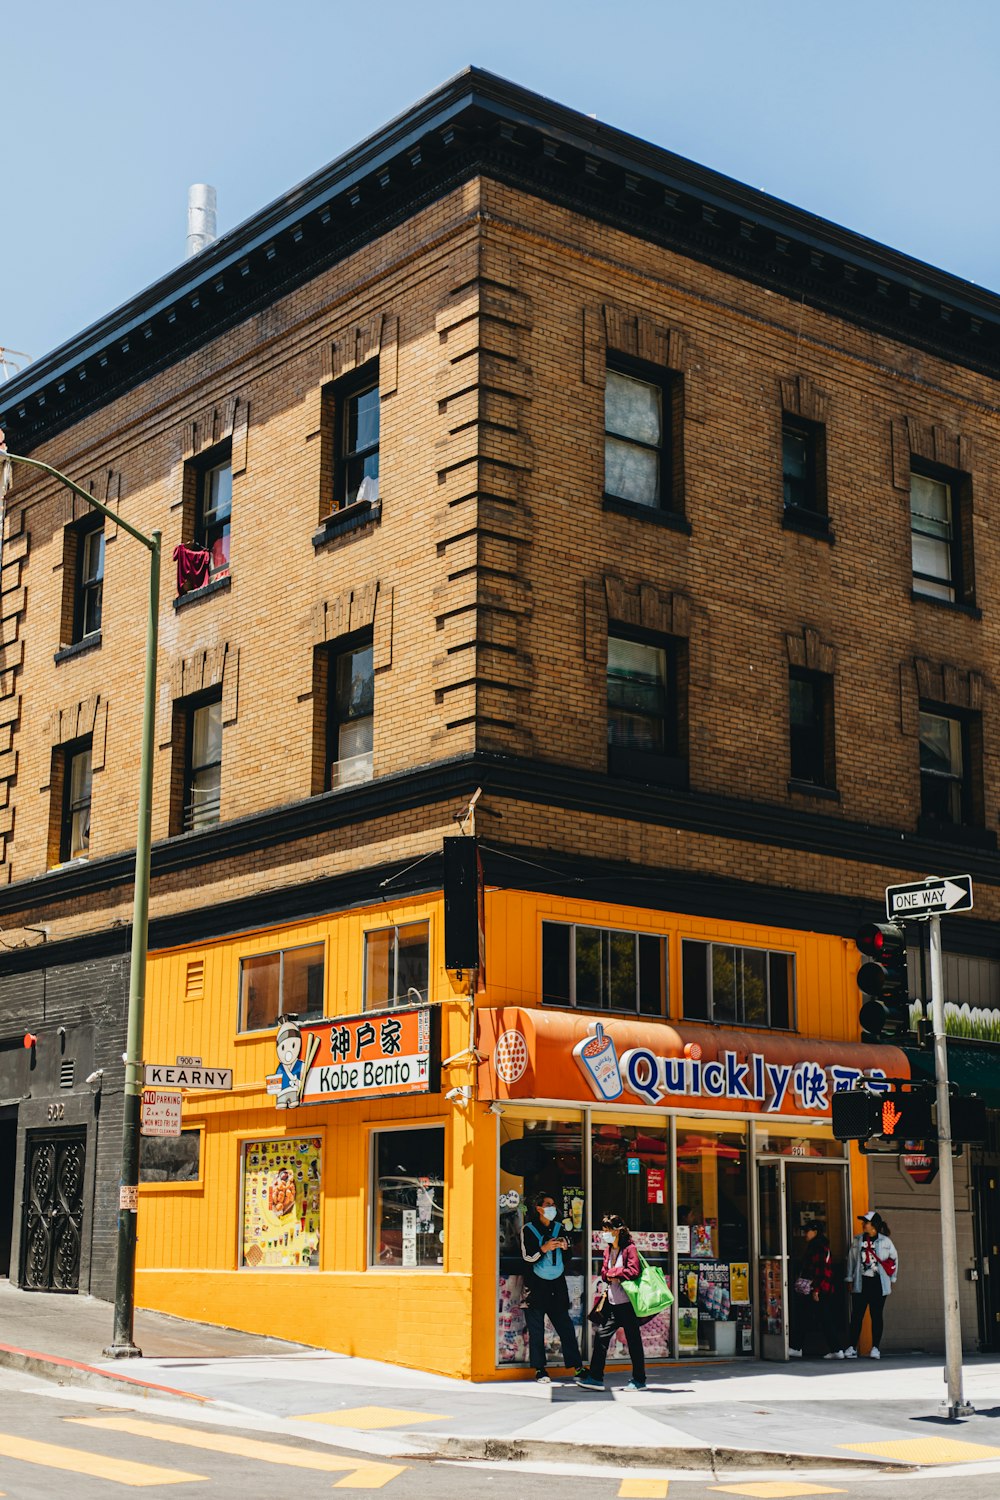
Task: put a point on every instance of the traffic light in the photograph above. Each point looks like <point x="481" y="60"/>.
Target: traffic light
<point x="895" y="1115"/>
<point x="886" y="1012"/>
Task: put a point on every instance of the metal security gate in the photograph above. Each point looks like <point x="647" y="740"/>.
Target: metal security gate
<point x="53" y="1215"/>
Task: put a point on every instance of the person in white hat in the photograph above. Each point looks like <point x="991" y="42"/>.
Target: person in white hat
<point x="872" y="1265"/>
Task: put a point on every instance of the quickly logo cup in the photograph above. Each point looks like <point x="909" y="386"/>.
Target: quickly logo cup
<point x="598" y="1062"/>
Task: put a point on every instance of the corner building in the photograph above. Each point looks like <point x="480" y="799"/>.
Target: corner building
<point x="508" y="454"/>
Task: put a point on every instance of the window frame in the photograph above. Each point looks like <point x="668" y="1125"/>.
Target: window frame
<point x="960" y="552"/>
<point x="374" y="1227"/>
<point x="204" y="529"/>
<point x="669" y="766"/>
<point x="394" y="1001"/>
<point x="306" y="1019"/>
<point x="191" y="707"/>
<point x="350" y="388"/>
<point x="740" y="1022"/>
<point x="345" y="646"/>
<point x="811" y="510"/>
<point x="970" y="809"/>
<point x="71" y="752"/>
<point x="822" y="682"/>
<point x="572" y="1003"/>
<point x="668" y="385"/>
<point x="85" y="589"/>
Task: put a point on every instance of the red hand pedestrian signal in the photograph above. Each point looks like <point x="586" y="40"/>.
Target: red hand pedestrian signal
<point x="891" y="1117"/>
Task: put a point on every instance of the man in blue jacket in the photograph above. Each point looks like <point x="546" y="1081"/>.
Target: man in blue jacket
<point x="543" y="1246"/>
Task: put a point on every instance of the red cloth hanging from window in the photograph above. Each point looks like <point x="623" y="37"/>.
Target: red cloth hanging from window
<point x="192" y="568"/>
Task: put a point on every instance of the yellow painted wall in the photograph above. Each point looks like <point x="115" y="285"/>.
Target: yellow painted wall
<point x="188" y="1253"/>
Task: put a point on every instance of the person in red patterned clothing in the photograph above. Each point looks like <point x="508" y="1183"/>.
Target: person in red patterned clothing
<point x="813" y="1294"/>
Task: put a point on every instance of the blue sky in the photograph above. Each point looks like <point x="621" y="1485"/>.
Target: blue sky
<point x="878" y="114"/>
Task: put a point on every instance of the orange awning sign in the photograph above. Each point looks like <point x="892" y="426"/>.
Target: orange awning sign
<point x="535" y="1054"/>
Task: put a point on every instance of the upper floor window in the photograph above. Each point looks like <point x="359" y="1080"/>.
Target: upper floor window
<point x="636" y="453"/>
<point x="645" y="689"/>
<point x="197" y="769"/>
<point x="213" y="516"/>
<point x="288" y="982"/>
<point x="803" y="469"/>
<point x="810" y="714"/>
<point x="89" y="583"/>
<point x="74" y="837"/>
<point x="737" y="986"/>
<point x="350" y="725"/>
<point x="357" y="419"/>
<point x="396" y="965"/>
<point x="933" y="537"/>
<point x="946" y="791"/>
<point x="598" y="968"/>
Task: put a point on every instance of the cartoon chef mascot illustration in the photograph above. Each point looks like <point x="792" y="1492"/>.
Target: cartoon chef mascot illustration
<point x="290" y="1069"/>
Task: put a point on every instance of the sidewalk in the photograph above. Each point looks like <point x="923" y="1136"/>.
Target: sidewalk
<point x="693" y="1416"/>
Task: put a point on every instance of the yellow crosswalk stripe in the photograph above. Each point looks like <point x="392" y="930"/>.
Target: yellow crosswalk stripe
<point x="97" y="1465"/>
<point x="644" y="1489"/>
<point x="363" y="1474"/>
<point x="776" y="1489"/>
<point x="369" y="1418"/>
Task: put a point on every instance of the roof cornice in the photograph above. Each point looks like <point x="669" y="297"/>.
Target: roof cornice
<point x="479" y="124"/>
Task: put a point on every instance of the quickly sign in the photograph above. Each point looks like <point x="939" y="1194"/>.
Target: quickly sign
<point x="177" y="1076"/>
<point x="160" y="1113"/>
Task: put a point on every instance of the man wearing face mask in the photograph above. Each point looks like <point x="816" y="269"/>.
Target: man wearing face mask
<point x="543" y="1244"/>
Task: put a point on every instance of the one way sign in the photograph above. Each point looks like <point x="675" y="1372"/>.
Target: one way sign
<point x="929" y="898"/>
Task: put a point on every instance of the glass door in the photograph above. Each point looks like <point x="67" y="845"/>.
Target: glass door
<point x="771" y="1256"/>
<point x="815" y="1199"/>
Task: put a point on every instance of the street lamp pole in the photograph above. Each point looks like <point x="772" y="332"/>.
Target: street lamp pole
<point x="123" y="1345"/>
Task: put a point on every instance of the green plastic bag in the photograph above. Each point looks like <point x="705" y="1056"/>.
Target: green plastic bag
<point x="650" y="1294"/>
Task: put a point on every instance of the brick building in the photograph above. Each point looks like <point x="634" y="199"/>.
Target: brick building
<point x="512" y="453"/>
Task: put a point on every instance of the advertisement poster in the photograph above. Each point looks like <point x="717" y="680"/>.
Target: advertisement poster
<point x="682" y="1233"/>
<point x="739" y="1282"/>
<point x="687" y="1330"/>
<point x="572" y="1209"/>
<point x="281" y="1182"/>
<point x="713" y="1292"/>
<point x="703" y="1239"/>
<point x="772" y="1309"/>
<point x="656" y="1178"/>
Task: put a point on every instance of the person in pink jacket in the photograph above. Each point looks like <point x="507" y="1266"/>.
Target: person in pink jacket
<point x="621" y="1264"/>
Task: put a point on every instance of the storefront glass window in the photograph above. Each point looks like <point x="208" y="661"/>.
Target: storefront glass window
<point x="544" y="1154"/>
<point x="165" y="1158"/>
<point x="408" y="1221"/>
<point x="792" y="1138"/>
<point x="713" y="1240"/>
<point x="281" y="1212"/>
<point x="630" y="1177"/>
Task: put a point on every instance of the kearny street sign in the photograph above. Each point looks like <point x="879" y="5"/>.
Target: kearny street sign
<point x="180" y="1076"/>
<point x="929" y="898"/>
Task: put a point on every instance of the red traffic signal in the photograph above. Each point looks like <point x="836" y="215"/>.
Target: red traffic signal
<point x="883" y="979"/>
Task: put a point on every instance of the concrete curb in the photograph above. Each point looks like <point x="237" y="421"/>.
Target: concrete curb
<point x="73" y="1372"/>
<point x="701" y="1459"/>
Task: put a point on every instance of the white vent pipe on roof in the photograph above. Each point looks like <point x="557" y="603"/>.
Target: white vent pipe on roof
<point x="201" y="218"/>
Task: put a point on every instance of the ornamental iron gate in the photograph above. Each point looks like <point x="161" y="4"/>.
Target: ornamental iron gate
<point x="53" y="1218"/>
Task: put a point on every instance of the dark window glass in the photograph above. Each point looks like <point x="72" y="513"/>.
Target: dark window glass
<point x="599" y="968"/>
<point x="350" y="736"/>
<point x="409" y="1208"/>
<point x="650" y="975"/>
<point x="170" y="1158"/>
<point x="203" y="789"/>
<point x="214" y="515"/>
<point x="943" y="761"/>
<point x="796" y="467"/>
<point x="749" y="986"/>
<point x="286" y="983"/>
<point x="396" y="965"/>
<point x="724" y="984"/>
<point x="75" y="839"/>
<point x="90" y="587"/>
<point x="555" y="963"/>
<point x="637" y="696"/>
<point x="810" y="727"/>
<point x="694" y="980"/>
<point x="589" y="968"/>
<point x="357" y="464"/>
<point x="779" y="967"/>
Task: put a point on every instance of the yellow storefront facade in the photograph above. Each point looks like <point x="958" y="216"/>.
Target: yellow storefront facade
<point x="374" y="1209"/>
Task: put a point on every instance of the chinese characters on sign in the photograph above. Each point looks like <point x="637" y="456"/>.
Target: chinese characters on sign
<point x="356" y="1057"/>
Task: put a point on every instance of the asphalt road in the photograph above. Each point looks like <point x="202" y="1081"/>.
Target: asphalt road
<point x="55" y="1444"/>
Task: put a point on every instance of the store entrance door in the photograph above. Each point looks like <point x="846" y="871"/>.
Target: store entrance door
<point x="791" y="1195"/>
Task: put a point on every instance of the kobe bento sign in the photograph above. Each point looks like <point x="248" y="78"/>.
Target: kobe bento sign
<point x="377" y="1055"/>
<point x="528" y="1053"/>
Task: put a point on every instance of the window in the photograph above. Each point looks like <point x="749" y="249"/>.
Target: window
<point x="408" y="1219"/>
<point x="170" y="1158"/>
<point x="810" y="713"/>
<point x="803" y="468"/>
<point x="737" y="986"/>
<point x="74" y="838"/>
<point x="396" y="964"/>
<point x="350" y="722"/>
<point x="645" y="724"/>
<point x="214" y="514"/>
<point x="90" y="583"/>
<point x="944" y="769"/>
<point x="636" y="460"/>
<point x="286" y="983"/>
<point x="598" y="968"/>
<point x="200" y="729"/>
<point x="357" y="417"/>
<point x="940" y="534"/>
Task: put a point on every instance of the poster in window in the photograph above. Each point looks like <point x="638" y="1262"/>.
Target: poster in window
<point x="739" y="1282"/>
<point x="714" y="1305"/>
<point x="687" y="1330"/>
<point x="703" y="1239"/>
<point x="281" y="1187"/>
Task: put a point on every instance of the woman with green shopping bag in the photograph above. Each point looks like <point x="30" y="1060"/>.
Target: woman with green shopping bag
<point x="613" y="1307"/>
